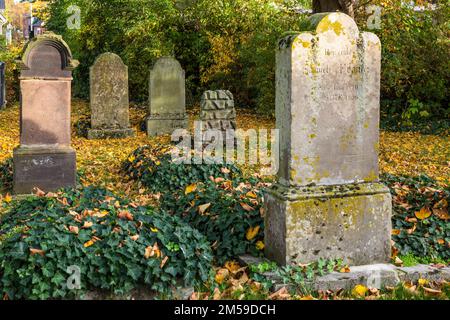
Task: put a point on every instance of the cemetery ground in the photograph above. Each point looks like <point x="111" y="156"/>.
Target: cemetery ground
<point x="420" y="208"/>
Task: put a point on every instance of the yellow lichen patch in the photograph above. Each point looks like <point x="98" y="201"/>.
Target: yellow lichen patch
<point x="326" y="25"/>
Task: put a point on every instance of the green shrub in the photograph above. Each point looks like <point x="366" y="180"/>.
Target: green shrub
<point x="228" y="214"/>
<point x="153" y="168"/>
<point x="423" y="233"/>
<point x="116" y="245"/>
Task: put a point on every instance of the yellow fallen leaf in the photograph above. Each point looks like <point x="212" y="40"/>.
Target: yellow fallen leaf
<point x="307" y="298"/>
<point x="395" y="232"/>
<point x="423" y="214"/>
<point x="154" y="230"/>
<point x="345" y="269"/>
<point x="252" y="232"/>
<point x="251" y="194"/>
<point x="131" y="158"/>
<point x="8" y="198"/>
<point x="221" y="275"/>
<point x="360" y="290"/>
<point x="88" y="244"/>
<point x="422" y="282"/>
<point x="87" y="224"/>
<point x="232" y="266"/>
<point x="260" y="245"/>
<point x="190" y="188"/>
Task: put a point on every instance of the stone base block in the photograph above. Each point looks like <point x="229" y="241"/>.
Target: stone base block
<point x="110" y="133"/>
<point x="47" y="168"/>
<point x="157" y="126"/>
<point x="350" y="222"/>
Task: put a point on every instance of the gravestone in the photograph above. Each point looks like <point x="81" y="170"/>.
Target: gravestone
<point x="328" y="202"/>
<point x="167" y="98"/>
<point x="109" y="98"/>
<point x="2" y="85"/>
<point x="45" y="158"/>
<point x="217" y="110"/>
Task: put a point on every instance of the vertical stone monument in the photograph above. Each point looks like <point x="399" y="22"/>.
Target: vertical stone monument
<point x="328" y="202"/>
<point x="44" y="158"/>
<point x="217" y="111"/>
<point x="109" y="98"/>
<point x="2" y="85"/>
<point x="167" y="98"/>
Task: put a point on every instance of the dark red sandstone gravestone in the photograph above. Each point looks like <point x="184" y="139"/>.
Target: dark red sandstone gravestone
<point x="44" y="158"/>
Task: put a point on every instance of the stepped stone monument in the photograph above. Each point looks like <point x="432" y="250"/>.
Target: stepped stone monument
<point x="109" y="98"/>
<point x="45" y="158"/>
<point x="217" y="111"/>
<point x="167" y="98"/>
<point x="328" y="202"/>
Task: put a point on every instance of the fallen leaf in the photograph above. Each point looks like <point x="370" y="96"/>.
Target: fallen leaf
<point x="38" y="192"/>
<point x="441" y="213"/>
<point x="395" y="232"/>
<point x="251" y="194"/>
<point x="190" y="188"/>
<point x="202" y="209"/>
<point x="87" y="224"/>
<point x="88" y="243"/>
<point x="423" y="214"/>
<point x="164" y="261"/>
<point x="260" y="245"/>
<point x="246" y="207"/>
<point x="7" y="198"/>
<point x="433" y="292"/>
<point x="345" y="269"/>
<point x="221" y="275"/>
<point x="73" y="229"/>
<point x="135" y="237"/>
<point x="252" y="232"/>
<point x="37" y="251"/>
<point x="126" y="215"/>
<point x="232" y="266"/>
<point x="360" y="290"/>
<point x="225" y="170"/>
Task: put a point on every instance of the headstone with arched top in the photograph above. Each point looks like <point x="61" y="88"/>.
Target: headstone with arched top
<point x="45" y="158"/>
<point x="328" y="202"/>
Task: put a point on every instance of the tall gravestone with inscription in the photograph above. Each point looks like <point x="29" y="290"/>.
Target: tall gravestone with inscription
<point x="45" y="158"/>
<point x="328" y="202"/>
<point x="2" y="85"/>
<point x="109" y="98"/>
<point x="167" y="98"/>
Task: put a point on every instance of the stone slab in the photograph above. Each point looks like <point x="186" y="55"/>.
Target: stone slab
<point x="158" y="126"/>
<point x="372" y="276"/>
<point x="351" y="222"/>
<point x="47" y="168"/>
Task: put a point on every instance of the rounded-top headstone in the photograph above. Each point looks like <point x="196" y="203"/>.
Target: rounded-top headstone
<point x="109" y="92"/>
<point x="167" y="87"/>
<point x="47" y="56"/>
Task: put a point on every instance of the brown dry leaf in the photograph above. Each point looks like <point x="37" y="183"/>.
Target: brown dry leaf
<point x="411" y="220"/>
<point x="432" y="292"/>
<point x="202" y="209"/>
<point x="164" y="261"/>
<point x="37" y="251"/>
<point x="87" y="224"/>
<point x="152" y="251"/>
<point x="217" y="295"/>
<point x="411" y="231"/>
<point x="246" y="207"/>
<point x="308" y="298"/>
<point x="126" y="215"/>
<point x="135" y="237"/>
<point x="398" y="261"/>
<point x="38" y="192"/>
<point x="441" y="213"/>
<point x="423" y="214"/>
<point x="73" y="229"/>
<point x="281" y="294"/>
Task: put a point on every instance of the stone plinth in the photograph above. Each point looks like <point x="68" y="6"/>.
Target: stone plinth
<point x="44" y="158"/>
<point x="328" y="202"/>
<point x="109" y="98"/>
<point x="167" y="98"/>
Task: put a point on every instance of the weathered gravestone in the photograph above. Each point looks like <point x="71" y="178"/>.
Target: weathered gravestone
<point x="2" y="85"/>
<point x="167" y="98"/>
<point x="328" y="202"/>
<point x="217" y="111"/>
<point x="109" y="98"/>
<point x="44" y="158"/>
